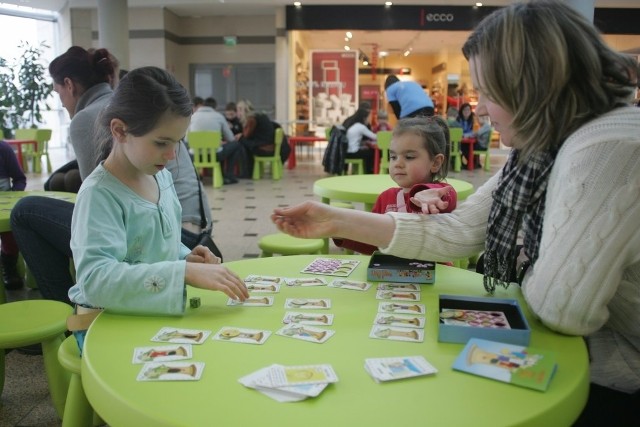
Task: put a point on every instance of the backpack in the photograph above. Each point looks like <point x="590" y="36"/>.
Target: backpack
<point x="334" y="156"/>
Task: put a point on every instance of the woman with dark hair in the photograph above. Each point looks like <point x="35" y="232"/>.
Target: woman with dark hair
<point x="467" y="119"/>
<point x="358" y="132"/>
<point x="407" y="98"/>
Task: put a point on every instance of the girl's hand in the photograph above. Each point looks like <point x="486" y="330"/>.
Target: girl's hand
<point x="306" y="220"/>
<point x="216" y="277"/>
<point x="202" y="254"/>
<point x="430" y="201"/>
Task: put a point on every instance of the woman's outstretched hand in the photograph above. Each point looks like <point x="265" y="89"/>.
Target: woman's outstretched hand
<point x="306" y="220"/>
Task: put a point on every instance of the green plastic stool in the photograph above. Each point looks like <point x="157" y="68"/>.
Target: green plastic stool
<point x="30" y="322"/>
<point x="284" y="244"/>
<point x="77" y="409"/>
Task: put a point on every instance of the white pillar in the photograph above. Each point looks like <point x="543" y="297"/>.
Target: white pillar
<point x="113" y="29"/>
<point x="282" y="69"/>
<point x="585" y="7"/>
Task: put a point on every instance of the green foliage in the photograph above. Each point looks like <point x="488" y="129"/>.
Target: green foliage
<point x="8" y="92"/>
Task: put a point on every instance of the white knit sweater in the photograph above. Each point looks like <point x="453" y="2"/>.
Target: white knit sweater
<point x="586" y="280"/>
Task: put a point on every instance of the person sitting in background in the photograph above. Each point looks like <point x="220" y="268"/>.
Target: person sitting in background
<point x="12" y="178"/>
<point x="407" y="98"/>
<point x="231" y="114"/>
<point x="205" y="117"/>
<point x="358" y="132"/>
<point x="258" y="134"/>
<point x="452" y="118"/>
<point x="481" y="143"/>
<point x="467" y="120"/>
<point x="383" y="122"/>
<point x="417" y="161"/>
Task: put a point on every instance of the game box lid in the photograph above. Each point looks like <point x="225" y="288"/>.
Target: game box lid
<point x="389" y="268"/>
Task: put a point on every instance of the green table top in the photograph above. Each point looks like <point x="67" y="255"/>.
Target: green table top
<point x="8" y="199"/>
<point x="366" y="188"/>
<point x="450" y="398"/>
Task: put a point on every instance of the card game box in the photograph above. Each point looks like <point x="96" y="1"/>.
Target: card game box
<point x="389" y="268"/>
<point x="463" y="317"/>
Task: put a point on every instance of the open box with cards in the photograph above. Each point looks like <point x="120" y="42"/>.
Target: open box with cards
<point x="389" y="268"/>
<point x="494" y="319"/>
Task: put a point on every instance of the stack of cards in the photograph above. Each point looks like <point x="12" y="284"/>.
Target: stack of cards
<point x="290" y="383"/>
<point x="395" y="368"/>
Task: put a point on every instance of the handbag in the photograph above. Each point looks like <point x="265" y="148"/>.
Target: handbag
<point x="204" y="238"/>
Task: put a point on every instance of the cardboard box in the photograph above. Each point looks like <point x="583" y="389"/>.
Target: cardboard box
<point x="493" y="319"/>
<point x="388" y="268"/>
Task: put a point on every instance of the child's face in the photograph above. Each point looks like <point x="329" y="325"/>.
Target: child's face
<point x="151" y="152"/>
<point x="410" y="163"/>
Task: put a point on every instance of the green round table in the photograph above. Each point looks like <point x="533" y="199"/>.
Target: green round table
<point x="449" y="398"/>
<point x="8" y="200"/>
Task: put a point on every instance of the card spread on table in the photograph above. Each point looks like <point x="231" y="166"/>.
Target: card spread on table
<point x="306" y="282"/>
<point x="396" y="333"/>
<point x="474" y="318"/>
<point x="252" y="301"/>
<point x="181" y="336"/>
<point x="307" y="318"/>
<point x="350" y="284"/>
<point x="331" y="266"/>
<point x="391" y="307"/>
<point x="395" y="368"/>
<point x="263" y="288"/>
<point x="402" y="320"/>
<point x="305" y="333"/>
<point x="171" y="371"/>
<point x="270" y="280"/>
<point x="292" y="393"/>
<point x="162" y="353"/>
<point x="399" y="287"/>
<point x="307" y="303"/>
<point x="398" y="296"/>
<point x="242" y="335"/>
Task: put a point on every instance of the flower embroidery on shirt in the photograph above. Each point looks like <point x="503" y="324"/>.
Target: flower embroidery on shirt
<point x="154" y="283"/>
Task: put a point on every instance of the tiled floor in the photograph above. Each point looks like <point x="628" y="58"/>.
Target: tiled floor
<point x="241" y="214"/>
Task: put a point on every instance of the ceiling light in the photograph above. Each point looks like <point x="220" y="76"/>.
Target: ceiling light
<point x="365" y="62"/>
<point x="349" y="34"/>
<point x="383" y="53"/>
<point x="347" y="47"/>
<point x="297" y="4"/>
<point x="407" y="52"/>
<point x="478" y="4"/>
<point x="388" y="3"/>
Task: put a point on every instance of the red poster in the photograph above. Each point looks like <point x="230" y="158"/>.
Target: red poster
<point x="334" y="83"/>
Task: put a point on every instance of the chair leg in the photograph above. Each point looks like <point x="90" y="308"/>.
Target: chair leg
<point x="217" y="177"/>
<point x="49" y="168"/>
<point x="77" y="411"/>
<point x="256" y="170"/>
<point x="487" y="163"/>
<point x="277" y="169"/>
<point x="57" y="377"/>
<point x="457" y="164"/>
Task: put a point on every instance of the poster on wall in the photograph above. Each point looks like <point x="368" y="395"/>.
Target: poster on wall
<point x="334" y="86"/>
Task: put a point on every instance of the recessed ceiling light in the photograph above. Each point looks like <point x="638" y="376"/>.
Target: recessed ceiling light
<point x="478" y="4"/>
<point x="297" y="4"/>
<point x="388" y="3"/>
<point x="349" y="34"/>
<point x="347" y="48"/>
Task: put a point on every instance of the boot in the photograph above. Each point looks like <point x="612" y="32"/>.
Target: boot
<point x="10" y="276"/>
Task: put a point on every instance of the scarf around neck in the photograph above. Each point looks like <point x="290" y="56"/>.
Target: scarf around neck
<point x="518" y="201"/>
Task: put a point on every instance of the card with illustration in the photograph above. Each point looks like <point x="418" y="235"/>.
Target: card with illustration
<point x="385" y="332"/>
<point x="281" y="394"/>
<point x="252" y="301"/>
<point x="306" y="333"/>
<point x="396" y="368"/>
<point x="162" y="353"/>
<point x="399" y="287"/>
<point x="350" y="284"/>
<point x="398" y="296"/>
<point x="307" y="318"/>
<point x="402" y="320"/>
<point x="307" y="303"/>
<point x="331" y="266"/>
<point x="474" y="318"/>
<point x="171" y="371"/>
<point x="392" y="307"/>
<point x="286" y="376"/>
<point x="242" y="335"/>
<point x="271" y="280"/>
<point x="181" y="336"/>
<point x="306" y="281"/>
<point x="263" y="287"/>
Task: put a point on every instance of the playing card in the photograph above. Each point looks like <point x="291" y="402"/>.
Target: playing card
<point x="305" y="333"/>
<point x="181" y="336"/>
<point x="306" y="282"/>
<point x="474" y="318"/>
<point x="331" y="266"/>
<point x="307" y="303"/>
<point x="391" y="307"/>
<point x="307" y="318"/>
<point x="395" y="368"/>
<point x="280" y="376"/>
<point x="252" y="301"/>
<point x="350" y="284"/>
<point x="398" y="296"/>
<point x="242" y="335"/>
<point x="162" y="353"/>
<point x="292" y="393"/>
<point x="262" y="287"/>
<point x="254" y="278"/>
<point x="399" y="287"/>
<point x="171" y="371"/>
<point x="402" y="320"/>
<point x="397" y="334"/>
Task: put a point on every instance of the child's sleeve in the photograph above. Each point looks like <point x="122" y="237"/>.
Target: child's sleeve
<point x="360" y="247"/>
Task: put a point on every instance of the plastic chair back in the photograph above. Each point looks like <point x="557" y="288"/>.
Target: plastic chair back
<point x="455" y="136"/>
<point x="275" y="160"/>
<point x="383" y="141"/>
<point x="204" y="145"/>
<point x="487" y="162"/>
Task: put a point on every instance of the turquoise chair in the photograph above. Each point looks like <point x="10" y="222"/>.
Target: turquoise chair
<point x="204" y="145"/>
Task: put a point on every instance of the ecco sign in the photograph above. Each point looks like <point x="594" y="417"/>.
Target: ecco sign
<point x="439" y="17"/>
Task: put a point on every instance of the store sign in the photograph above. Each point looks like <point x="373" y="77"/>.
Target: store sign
<point x="439" y="17"/>
<point x="333" y="88"/>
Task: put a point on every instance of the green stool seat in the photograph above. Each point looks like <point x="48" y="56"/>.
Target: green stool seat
<point x="77" y="409"/>
<point x="30" y="322"/>
<point x="284" y="244"/>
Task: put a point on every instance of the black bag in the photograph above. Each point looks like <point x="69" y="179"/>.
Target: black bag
<point x="205" y="239"/>
<point x="335" y="154"/>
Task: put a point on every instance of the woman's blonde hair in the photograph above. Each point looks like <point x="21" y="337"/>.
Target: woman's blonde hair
<point x="247" y="106"/>
<point x="548" y="65"/>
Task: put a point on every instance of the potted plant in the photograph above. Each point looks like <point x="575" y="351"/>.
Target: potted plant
<point x="33" y="85"/>
<point x="8" y="92"/>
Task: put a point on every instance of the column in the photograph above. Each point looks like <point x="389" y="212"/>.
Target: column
<point x="282" y="70"/>
<point x="113" y="29"/>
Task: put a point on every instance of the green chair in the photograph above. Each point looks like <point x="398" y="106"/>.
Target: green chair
<point x="487" y="161"/>
<point x="27" y="134"/>
<point x="42" y="136"/>
<point x="455" y="136"/>
<point x="77" y="409"/>
<point x="204" y="145"/>
<point x="275" y="160"/>
<point x="384" y="143"/>
<point x="44" y="322"/>
<point x="284" y="244"/>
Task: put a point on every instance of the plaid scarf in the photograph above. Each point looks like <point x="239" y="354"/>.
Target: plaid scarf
<point x="518" y="201"/>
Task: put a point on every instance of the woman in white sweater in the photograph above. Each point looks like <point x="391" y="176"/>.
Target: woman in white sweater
<point x="561" y="98"/>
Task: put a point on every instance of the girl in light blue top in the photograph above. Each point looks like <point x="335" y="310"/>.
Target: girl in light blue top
<point x="125" y="232"/>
